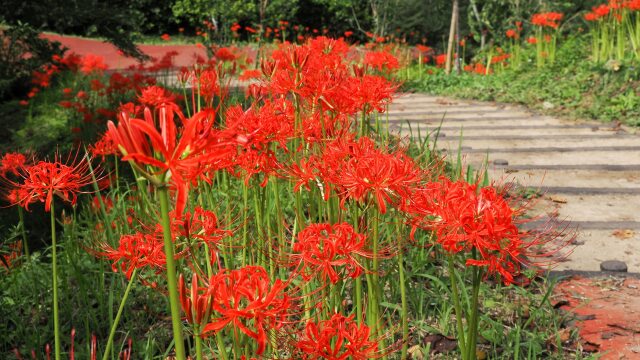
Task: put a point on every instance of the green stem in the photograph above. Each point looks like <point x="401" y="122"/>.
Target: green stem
<point x="458" y="307"/>
<point x="23" y="232"/>
<point x="245" y="222"/>
<point x="112" y="333"/>
<point x="171" y="273"/>
<point x="359" y="300"/>
<point x="403" y="296"/>
<point x="198" y="344"/>
<point x="56" y="318"/>
<point x="221" y="348"/>
<point x="472" y="335"/>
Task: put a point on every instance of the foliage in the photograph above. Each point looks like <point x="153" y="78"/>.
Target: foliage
<point x="15" y="68"/>
<point x="117" y="21"/>
<point x="573" y="86"/>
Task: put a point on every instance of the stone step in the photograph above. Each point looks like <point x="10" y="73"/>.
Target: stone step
<point x="480" y="129"/>
<point x="452" y="119"/>
<point x="568" y="178"/>
<point x="589" y="207"/>
<point x="537" y="158"/>
<point x="601" y="245"/>
<point x="584" y="173"/>
<point x="481" y="143"/>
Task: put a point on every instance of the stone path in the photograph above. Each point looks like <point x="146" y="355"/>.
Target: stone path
<point x="588" y="174"/>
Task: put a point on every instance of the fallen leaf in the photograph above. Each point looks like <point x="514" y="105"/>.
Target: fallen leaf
<point x="590" y="347"/>
<point x="481" y="354"/>
<point x="415" y="352"/>
<point x="442" y="101"/>
<point x="558" y="199"/>
<point x="440" y="343"/>
<point x="623" y="233"/>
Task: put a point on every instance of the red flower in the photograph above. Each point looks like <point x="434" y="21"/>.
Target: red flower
<point x="208" y="85"/>
<point x="549" y="19"/>
<point x="199" y="228"/>
<point x="11" y="163"/>
<point x="196" y="302"/>
<point x="338" y="338"/>
<point x="246" y="299"/>
<point x="165" y="37"/>
<point x="92" y="63"/>
<point x="441" y="59"/>
<point x="103" y="147"/>
<point x="465" y="217"/>
<point x="325" y="250"/>
<point x="173" y="156"/>
<point x="363" y="173"/>
<point x="381" y="60"/>
<point x="250" y="74"/>
<point x="137" y="251"/>
<point x="512" y="34"/>
<point x="368" y="93"/>
<point x="155" y="95"/>
<point x="45" y="179"/>
<point x="225" y="54"/>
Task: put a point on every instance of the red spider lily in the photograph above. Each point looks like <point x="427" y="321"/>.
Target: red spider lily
<point x="250" y="74"/>
<point x="92" y="63"/>
<point x="13" y="252"/>
<point x="196" y="302"/>
<point x="199" y="228"/>
<point x="43" y="180"/>
<point x="225" y="54"/>
<point x="465" y="217"/>
<point x="369" y="93"/>
<point x="633" y="5"/>
<point x="136" y="251"/>
<point x="11" y="163"/>
<point x="325" y="249"/>
<point x="246" y="299"/>
<point x="106" y="200"/>
<point x="155" y="96"/>
<point x="512" y="34"/>
<point x="338" y="338"/>
<point x="361" y="172"/>
<point x="549" y="19"/>
<point x="103" y="147"/>
<point x="208" y="84"/>
<point x="173" y="160"/>
<point x="308" y="171"/>
<point x="273" y="122"/>
<point x="381" y="60"/>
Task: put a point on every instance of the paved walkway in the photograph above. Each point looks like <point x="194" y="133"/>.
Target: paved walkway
<point x="589" y="176"/>
<point x="114" y="59"/>
<point x="587" y="173"/>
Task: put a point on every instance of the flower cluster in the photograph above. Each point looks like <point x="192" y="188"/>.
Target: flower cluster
<point x="548" y="19"/>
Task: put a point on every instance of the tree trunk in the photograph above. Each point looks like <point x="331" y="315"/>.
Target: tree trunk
<point x="452" y="35"/>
